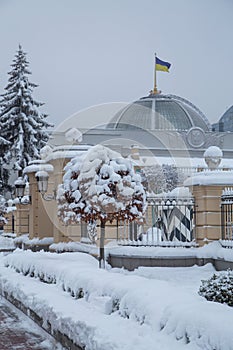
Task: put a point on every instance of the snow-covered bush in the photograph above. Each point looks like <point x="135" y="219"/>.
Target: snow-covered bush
<point x="102" y="185"/>
<point x="218" y="288"/>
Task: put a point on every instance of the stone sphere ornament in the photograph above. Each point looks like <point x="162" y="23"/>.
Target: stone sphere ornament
<point x="213" y="156"/>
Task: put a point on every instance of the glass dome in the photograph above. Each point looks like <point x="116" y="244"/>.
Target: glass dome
<point x="160" y="112"/>
<point x="226" y="121"/>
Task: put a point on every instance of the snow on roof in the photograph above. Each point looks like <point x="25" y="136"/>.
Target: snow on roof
<point x="208" y="177"/>
<point x="67" y="151"/>
<point x="38" y="165"/>
<point x="179" y="162"/>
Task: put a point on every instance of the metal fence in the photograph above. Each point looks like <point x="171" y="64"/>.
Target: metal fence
<point x="169" y="222"/>
<point x="227" y="216"/>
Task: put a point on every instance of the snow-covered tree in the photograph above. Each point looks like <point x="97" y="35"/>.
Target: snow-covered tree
<point x="171" y="176"/>
<point x="156" y="182"/>
<point x="21" y="122"/>
<point x="4" y="172"/>
<point x="3" y="220"/>
<point x="161" y="178"/>
<point x="101" y="186"/>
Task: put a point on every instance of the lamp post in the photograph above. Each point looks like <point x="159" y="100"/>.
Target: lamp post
<point x="20" y="185"/>
<point x="42" y="183"/>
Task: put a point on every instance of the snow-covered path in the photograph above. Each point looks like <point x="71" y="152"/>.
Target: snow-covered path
<point x="150" y="308"/>
<point x="18" y="332"/>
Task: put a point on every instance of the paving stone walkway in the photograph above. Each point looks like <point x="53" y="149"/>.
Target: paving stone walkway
<point x="17" y="332"/>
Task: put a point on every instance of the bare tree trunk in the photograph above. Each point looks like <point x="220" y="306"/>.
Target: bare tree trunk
<point x="102" y="236"/>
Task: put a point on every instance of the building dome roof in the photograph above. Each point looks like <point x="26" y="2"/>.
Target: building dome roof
<point x="160" y="112"/>
<point x="226" y="121"/>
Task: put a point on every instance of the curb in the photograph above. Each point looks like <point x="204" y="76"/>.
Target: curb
<point x="131" y="263"/>
<point x="63" y="339"/>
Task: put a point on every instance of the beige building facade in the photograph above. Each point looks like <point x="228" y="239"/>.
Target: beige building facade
<point x="156" y="129"/>
<point x="39" y="217"/>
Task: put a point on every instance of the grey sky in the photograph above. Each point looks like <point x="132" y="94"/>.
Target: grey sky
<point x="84" y="53"/>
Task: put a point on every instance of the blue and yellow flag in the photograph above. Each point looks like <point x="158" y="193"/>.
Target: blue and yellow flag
<point x="162" y="65"/>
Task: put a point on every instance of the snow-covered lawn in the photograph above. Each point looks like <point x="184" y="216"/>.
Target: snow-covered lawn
<point x="150" y="308"/>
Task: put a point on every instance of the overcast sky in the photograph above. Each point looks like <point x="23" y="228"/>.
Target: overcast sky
<point x="84" y="53"/>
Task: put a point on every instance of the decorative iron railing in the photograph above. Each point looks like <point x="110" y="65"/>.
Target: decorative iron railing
<point x="169" y="223"/>
<point x="227" y="216"/>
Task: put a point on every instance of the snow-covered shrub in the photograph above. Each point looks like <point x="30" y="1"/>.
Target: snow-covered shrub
<point x="102" y="185"/>
<point x="218" y="288"/>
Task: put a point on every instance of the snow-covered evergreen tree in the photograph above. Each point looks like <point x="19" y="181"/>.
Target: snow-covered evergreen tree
<point x="4" y="172"/>
<point x="21" y="122"/>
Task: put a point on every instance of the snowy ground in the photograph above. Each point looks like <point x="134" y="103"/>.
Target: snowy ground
<point x="150" y="308"/>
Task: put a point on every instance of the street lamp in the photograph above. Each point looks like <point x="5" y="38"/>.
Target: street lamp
<point x="42" y="183"/>
<point x="20" y="185"/>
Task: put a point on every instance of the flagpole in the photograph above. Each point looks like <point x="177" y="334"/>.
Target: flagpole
<point x="155" y="86"/>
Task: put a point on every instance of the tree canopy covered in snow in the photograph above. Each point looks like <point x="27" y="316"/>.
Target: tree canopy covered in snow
<point x="161" y="178"/>
<point x="21" y="122"/>
<point x="155" y="178"/>
<point x="101" y="185"/>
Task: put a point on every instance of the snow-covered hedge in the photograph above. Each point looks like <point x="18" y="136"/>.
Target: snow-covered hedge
<point x="218" y="288"/>
<point x="155" y="308"/>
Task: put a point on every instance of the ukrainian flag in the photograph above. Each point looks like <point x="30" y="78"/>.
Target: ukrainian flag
<point x="162" y="65"/>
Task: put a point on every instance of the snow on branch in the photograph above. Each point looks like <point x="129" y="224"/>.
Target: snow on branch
<point x="101" y="185"/>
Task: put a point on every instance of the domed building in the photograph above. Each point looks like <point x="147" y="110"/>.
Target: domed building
<point x="225" y="123"/>
<point x="158" y="128"/>
<point x="160" y="112"/>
